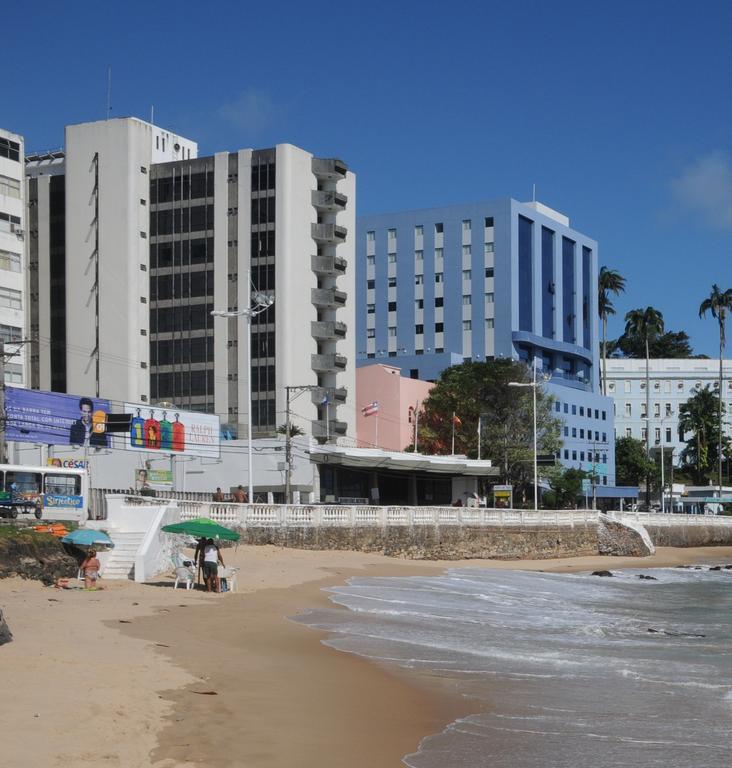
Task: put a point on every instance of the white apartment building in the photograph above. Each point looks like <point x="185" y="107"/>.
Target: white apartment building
<point x="672" y="383"/>
<point x="155" y="238"/>
<point x="13" y="293"/>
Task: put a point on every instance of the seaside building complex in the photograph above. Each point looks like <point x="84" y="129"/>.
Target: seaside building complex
<point x="485" y="281"/>
<point x="136" y="240"/>
<point x="13" y="287"/>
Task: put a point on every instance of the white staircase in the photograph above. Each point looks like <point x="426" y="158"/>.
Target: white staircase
<point x="120" y="564"/>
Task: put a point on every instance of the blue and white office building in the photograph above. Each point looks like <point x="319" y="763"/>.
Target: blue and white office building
<point x="480" y="281"/>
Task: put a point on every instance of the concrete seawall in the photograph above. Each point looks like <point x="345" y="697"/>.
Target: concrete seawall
<point x="690" y="535"/>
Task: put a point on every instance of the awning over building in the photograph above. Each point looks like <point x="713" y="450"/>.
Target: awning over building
<point x="616" y="492"/>
<point x="374" y="458"/>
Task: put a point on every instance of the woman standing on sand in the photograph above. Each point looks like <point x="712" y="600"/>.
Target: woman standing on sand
<point x="90" y="568"/>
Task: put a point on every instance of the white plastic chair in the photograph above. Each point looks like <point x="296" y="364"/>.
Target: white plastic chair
<point x="230" y="575"/>
<point x="184" y="574"/>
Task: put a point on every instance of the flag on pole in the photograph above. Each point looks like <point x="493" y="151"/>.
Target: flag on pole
<point x="371" y="409"/>
<point x="456" y="421"/>
<point x="324" y="401"/>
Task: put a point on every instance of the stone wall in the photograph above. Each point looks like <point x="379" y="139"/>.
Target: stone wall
<point x="690" y="535"/>
<point x="619" y="540"/>
<point x="429" y="542"/>
<point x="33" y="555"/>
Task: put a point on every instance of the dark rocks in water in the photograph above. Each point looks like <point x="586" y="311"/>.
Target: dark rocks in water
<point x="716" y="568"/>
<point x="602" y="573"/>
<point x="728" y="567"/>
<point x="671" y="634"/>
<point x="5" y="634"/>
<point x="647" y="578"/>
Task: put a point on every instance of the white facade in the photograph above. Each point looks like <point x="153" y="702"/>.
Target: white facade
<point x="672" y="383"/>
<point x="13" y="288"/>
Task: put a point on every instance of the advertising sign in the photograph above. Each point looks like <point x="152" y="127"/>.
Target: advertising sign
<point x="59" y="501"/>
<point x="169" y="430"/>
<point x="51" y="418"/>
<point x="144" y="478"/>
<point x="67" y="463"/>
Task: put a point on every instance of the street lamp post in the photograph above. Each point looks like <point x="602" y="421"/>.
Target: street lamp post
<point x="533" y="384"/>
<point x="261" y="303"/>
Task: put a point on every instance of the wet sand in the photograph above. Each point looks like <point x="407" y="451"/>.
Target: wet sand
<point x="144" y="675"/>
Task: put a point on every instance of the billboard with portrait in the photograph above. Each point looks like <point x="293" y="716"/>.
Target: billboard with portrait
<point x="169" y="430"/>
<point x="51" y="418"/>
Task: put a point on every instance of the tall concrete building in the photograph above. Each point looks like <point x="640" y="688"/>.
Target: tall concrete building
<point x="672" y="383"/>
<point x="156" y="238"/>
<point x="484" y="281"/>
<point x="13" y="285"/>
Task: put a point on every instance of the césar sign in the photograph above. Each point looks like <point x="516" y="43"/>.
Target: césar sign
<point x="68" y="463"/>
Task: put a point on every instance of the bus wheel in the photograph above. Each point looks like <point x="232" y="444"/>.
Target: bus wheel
<point x="13" y="512"/>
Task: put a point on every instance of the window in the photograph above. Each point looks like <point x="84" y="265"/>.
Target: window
<point x="582" y="455"/>
<point x="391" y="234"/>
<point x="566" y="431"/>
<point x="371" y="260"/>
<point x="392" y="258"/>
<point x="668" y="434"/>
<point x="467" y="225"/>
<point x="440" y="301"/>
<point x="574" y="431"/>
<point x="370" y="285"/>
<point x="439" y="253"/>
<point x="488" y="248"/>
<point x="9" y="223"/>
<point x="371" y="333"/>
<point x="611" y="386"/>
<point x="392" y="306"/>
<point x="557" y="406"/>
<point x="488" y="222"/>
<point x="439" y="228"/>
<point x="489" y="322"/>
<point x="466" y="251"/>
<point x="370" y="309"/>
<point x="418" y="279"/>
<point x="467" y="300"/>
<point x="9" y="149"/>
<point x="668" y="409"/>
<point x="604" y="415"/>
<point x="582" y="410"/>
<point x="419" y="329"/>
<point x="143" y="201"/>
<point x="657" y="434"/>
<point x="467" y="325"/>
<point x="9" y="261"/>
<point x="489" y="271"/>
<point x="467" y="274"/>
<point x="419" y="255"/>
<point x="9" y="333"/>
<point x="9" y="187"/>
<point x="392" y="330"/>
<point x="419" y="230"/>
<point x="143" y="169"/>
<point x="627" y="386"/>
<point x="419" y="303"/>
<point x="574" y="455"/>
<point x="597" y="414"/>
<point x="604" y="437"/>
<point x="143" y="235"/>
<point x="628" y="410"/>
<point x="438" y="277"/>
<point x="657" y="410"/>
<point x="667" y="386"/>
<point x="628" y="432"/>
<point x="392" y="282"/>
<point x="10" y="298"/>
<point x="370" y="236"/>
<point x="582" y="434"/>
<point x="489" y="298"/>
<point x="644" y="414"/>
<point x="439" y="327"/>
<point x="644" y="434"/>
<point x="574" y="410"/>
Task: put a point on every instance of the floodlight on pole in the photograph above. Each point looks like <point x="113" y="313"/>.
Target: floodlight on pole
<point x="259" y="302"/>
<point x="533" y="384"/>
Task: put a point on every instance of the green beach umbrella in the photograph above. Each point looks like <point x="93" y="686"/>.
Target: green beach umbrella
<point x="202" y="528"/>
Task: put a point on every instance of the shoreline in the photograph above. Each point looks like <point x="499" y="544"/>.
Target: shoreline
<point x="282" y="697"/>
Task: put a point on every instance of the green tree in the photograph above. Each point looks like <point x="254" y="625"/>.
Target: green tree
<point x="609" y="281"/>
<point x="670" y="344"/>
<point x="719" y="303"/>
<point x="700" y="415"/>
<point x="632" y="465"/>
<point x="565" y="485"/>
<point x="474" y="391"/>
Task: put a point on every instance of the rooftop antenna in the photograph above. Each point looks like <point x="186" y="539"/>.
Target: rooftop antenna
<point x="533" y="193"/>
<point x="152" y="114"/>
<point x="109" y="92"/>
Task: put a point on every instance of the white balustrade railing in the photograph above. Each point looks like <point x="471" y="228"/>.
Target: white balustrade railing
<point x="668" y="519"/>
<point x="303" y="515"/>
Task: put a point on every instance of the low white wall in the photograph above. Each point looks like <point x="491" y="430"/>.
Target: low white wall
<point x="156" y="550"/>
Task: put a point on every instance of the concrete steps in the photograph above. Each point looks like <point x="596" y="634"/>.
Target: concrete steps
<point x="121" y="561"/>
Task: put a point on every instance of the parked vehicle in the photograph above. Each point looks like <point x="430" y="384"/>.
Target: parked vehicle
<point x="50" y="493"/>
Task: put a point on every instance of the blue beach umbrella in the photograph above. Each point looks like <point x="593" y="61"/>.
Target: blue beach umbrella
<point x="88" y="538"/>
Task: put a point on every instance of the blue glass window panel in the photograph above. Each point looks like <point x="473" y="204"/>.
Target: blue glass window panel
<point x="525" y="272"/>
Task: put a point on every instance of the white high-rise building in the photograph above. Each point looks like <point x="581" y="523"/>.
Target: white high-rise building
<point x="13" y="289"/>
<point x="156" y="238"/>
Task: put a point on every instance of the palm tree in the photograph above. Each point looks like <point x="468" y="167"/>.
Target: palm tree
<point x="697" y="415"/>
<point x="609" y="281"/>
<point x="719" y="303"/>
<point x="646" y="324"/>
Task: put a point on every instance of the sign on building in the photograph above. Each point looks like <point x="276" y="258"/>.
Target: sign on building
<point x="169" y="430"/>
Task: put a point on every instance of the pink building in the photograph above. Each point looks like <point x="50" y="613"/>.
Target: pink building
<point x="392" y="428"/>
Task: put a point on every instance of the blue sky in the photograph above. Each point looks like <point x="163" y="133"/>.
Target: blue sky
<point x="618" y="112"/>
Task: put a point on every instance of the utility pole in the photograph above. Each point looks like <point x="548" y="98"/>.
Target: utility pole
<point x="288" y="438"/>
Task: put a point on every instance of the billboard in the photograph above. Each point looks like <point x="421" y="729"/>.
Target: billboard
<point x="170" y="430"/>
<point x="52" y="418"/>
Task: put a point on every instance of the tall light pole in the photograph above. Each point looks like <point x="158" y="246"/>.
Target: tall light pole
<point x="258" y="303"/>
<point x="533" y="384"/>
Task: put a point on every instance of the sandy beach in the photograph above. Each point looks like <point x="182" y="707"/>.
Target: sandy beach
<point x="144" y="675"/>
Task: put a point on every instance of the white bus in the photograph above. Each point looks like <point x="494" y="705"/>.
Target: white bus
<point x="50" y="493"/>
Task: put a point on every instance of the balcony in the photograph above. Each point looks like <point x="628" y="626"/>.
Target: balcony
<point x="335" y="428"/>
<point x="329" y="234"/>
<point x="328" y="298"/>
<point x="328" y="265"/>
<point x="329" y="201"/>
<point x="329" y="168"/>
<point x="328" y="363"/>
<point x="335" y="395"/>
<point x="328" y="330"/>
